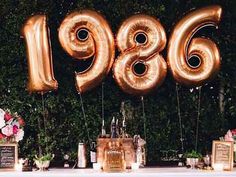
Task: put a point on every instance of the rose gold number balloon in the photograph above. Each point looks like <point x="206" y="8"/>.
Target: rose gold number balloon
<point x="82" y="35"/>
<point x="41" y="75"/>
<point x="140" y="39"/>
<point x="181" y="48"/>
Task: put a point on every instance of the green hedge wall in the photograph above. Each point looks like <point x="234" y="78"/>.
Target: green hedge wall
<point x="65" y="125"/>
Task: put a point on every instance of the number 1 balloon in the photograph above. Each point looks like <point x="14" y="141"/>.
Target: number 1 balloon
<point x="182" y="47"/>
<point x="39" y="55"/>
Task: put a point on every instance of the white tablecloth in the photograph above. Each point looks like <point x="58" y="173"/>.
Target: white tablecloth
<point x="145" y="172"/>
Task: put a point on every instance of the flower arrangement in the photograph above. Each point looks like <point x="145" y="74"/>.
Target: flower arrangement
<point x="230" y="135"/>
<point x="11" y="126"/>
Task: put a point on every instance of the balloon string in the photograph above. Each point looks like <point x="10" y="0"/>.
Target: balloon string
<point x="180" y="118"/>
<point x="85" y="119"/>
<point x="198" y="116"/>
<point x="44" y="121"/>
<point x="145" y="121"/>
<point x="44" y="118"/>
<point x="103" y="119"/>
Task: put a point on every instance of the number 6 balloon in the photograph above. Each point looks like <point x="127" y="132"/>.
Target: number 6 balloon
<point x="182" y="47"/>
<point x="84" y="34"/>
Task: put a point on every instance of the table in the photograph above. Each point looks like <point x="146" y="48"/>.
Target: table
<point x="144" y="172"/>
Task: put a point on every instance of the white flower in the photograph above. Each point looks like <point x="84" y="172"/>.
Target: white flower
<point x="2" y="121"/>
<point x="8" y="130"/>
<point x="19" y="136"/>
<point x="2" y="113"/>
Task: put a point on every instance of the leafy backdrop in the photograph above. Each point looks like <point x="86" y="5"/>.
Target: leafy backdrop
<point x="65" y="125"/>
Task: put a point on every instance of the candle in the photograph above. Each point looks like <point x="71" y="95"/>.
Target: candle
<point x="18" y="167"/>
<point x="219" y="167"/>
<point x="135" y="166"/>
<point x="96" y="166"/>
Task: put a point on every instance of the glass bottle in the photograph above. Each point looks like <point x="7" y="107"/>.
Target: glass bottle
<point x="117" y="128"/>
<point x="114" y="157"/>
<point x="93" y="153"/>
<point x="124" y="135"/>
<point x="103" y="135"/>
<point x="113" y="128"/>
<point x="82" y="155"/>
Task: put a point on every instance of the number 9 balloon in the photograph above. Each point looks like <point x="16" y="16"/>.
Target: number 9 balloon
<point x="182" y="48"/>
<point x="140" y="39"/>
<point x="84" y="34"/>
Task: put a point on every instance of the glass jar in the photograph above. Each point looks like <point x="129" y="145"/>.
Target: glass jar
<point x="114" y="157"/>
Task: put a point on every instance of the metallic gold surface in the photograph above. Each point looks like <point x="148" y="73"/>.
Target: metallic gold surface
<point x="146" y="53"/>
<point x="181" y="47"/>
<point x="39" y="55"/>
<point x="100" y="44"/>
<point x="127" y="144"/>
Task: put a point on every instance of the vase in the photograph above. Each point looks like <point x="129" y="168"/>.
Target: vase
<point x="42" y="165"/>
<point x="192" y="162"/>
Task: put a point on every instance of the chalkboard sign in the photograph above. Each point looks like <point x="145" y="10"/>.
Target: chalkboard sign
<point x="8" y="156"/>
<point x="222" y="155"/>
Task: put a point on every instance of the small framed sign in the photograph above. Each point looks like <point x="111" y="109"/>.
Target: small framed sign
<point x="222" y="155"/>
<point x="8" y="156"/>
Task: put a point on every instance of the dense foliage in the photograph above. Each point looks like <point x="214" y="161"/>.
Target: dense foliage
<point x="65" y="125"/>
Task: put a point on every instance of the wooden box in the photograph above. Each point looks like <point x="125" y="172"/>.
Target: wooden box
<point x="127" y="144"/>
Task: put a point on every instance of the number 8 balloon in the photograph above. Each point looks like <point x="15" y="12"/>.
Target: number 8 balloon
<point x="83" y="34"/>
<point x="140" y="39"/>
<point x="182" y="48"/>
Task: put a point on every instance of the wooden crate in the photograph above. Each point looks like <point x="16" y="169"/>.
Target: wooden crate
<point x="127" y="144"/>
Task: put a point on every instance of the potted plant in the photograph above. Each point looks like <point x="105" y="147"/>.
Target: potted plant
<point x="43" y="161"/>
<point x="192" y="158"/>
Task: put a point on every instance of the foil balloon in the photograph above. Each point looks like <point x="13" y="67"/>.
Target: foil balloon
<point x="140" y="39"/>
<point x="182" y="48"/>
<point x="39" y="55"/>
<point x="84" y="34"/>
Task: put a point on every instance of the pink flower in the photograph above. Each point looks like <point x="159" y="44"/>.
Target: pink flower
<point x="19" y="136"/>
<point x="21" y="121"/>
<point x="8" y="130"/>
<point x="15" y="129"/>
<point x="7" y="116"/>
<point x="229" y="136"/>
<point x="233" y="132"/>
